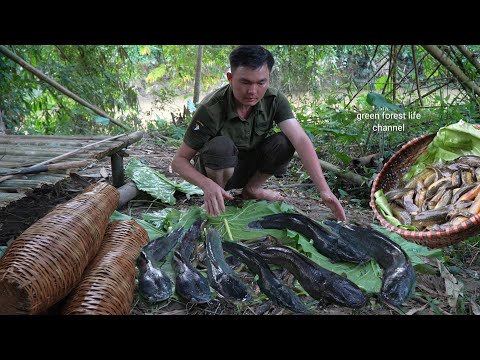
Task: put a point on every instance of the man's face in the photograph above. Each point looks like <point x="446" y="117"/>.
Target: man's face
<point x="249" y="85"/>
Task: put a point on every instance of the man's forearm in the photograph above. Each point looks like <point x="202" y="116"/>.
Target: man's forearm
<point x="309" y="159"/>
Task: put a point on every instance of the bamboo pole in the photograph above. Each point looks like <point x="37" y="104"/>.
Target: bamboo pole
<point x="127" y="192"/>
<point x="473" y="60"/>
<point x="57" y="86"/>
<point x="348" y="175"/>
<point x="416" y="75"/>
<point x="432" y="91"/>
<point x="66" y="155"/>
<point x="42" y="168"/>
<point x="441" y="57"/>
<point x="78" y="150"/>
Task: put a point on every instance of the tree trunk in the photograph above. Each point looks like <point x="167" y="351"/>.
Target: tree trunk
<point x="454" y="69"/>
<point x="198" y="75"/>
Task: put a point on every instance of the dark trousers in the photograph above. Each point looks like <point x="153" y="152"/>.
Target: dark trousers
<point x="272" y="156"/>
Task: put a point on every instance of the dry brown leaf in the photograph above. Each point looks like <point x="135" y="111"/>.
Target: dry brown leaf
<point x="475" y="308"/>
<point x="453" y="287"/>
<point x="415" y="310"/>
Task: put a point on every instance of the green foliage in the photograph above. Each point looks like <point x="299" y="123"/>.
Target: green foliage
<point x="174" y="68"/>
<point x="380" y="101"/>
<point x="101" y="75"/>
<point x="156" y="184"/>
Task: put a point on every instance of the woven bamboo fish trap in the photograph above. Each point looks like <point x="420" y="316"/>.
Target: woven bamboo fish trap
<point x="390" y="177"/>
<point x="108" y="284"/>
<point x="47" y="260"/>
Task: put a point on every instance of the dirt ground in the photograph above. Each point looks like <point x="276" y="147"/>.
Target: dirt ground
<point x="432" y="290"/>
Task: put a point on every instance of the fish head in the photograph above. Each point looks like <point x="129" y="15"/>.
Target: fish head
<point x="193" y="287"/>
<point x="155" y="286"/>
<point x="285" y="297"/>
<point x="398" y="285"/>
<point x="346" y="293"/>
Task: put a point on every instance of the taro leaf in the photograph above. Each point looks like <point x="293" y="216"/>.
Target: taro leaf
<point x="188" y="217"/>
<point x="151" y="181"/>
<point x="238" y="219"/>
<point x="164" y="220"/>
<point x="152" y="231"/>
<point x="189" y="189"/>
<point x="379" y="100"/>
<point x="157" y="184"/>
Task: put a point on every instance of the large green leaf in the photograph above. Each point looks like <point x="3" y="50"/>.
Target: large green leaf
<point x="380" y="101"/>
<point x="157" y="184"/>
<point x="151" y="181"/>
<point x="367" y="276"/>
<point x="165" y="219"/>
<point x="450" y="142"/>
<point x="238" y="218"/>
<point x="188" y="188"/>
<point x="414" y="251"/>
<point x="152" y="231"/>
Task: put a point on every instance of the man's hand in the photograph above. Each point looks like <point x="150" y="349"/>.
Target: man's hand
<point x="334" y="204"/>
<point x="214" y="196"/>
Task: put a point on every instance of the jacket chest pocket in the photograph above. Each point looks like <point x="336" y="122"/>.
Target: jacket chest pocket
<point x="262" y="125"/>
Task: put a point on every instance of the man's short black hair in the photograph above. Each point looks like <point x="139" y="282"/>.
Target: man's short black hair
<point x="251" y="56"/>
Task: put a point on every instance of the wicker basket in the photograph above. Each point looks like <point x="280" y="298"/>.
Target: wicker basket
<point x="47" y="260"/>
<point x="390" y="177"/>
<point x="108" y="284"/>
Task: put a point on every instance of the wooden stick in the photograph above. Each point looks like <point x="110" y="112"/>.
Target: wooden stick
<point x="60" y="157"/>
<point x="57" y="86"/>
